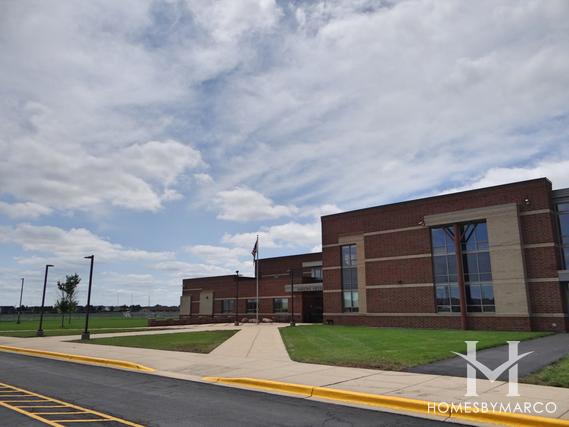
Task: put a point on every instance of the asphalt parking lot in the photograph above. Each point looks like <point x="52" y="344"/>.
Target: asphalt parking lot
<point x="152" y="400"/>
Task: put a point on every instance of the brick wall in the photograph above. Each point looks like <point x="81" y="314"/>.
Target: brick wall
<point x="271" y="285"/>
<point x="538" y="226"/>
<point x="401" y="300"/>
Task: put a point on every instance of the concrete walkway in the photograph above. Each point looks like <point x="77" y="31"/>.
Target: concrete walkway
<point x="544" y="350"/>
<point x="257" y="351"/>
<point x="255" y="343"/>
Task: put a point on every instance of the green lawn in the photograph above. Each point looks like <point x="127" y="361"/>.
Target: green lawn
<point x="556" y="375"/>
<point x="385" y="348"/>
<point x="60" y="332"/>
<point x="194" y="342"/>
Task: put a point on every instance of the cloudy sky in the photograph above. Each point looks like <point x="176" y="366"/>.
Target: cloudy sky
<point x="162" y="136"/>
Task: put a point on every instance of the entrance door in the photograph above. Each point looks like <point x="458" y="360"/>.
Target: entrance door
<point x="312" y="307"/>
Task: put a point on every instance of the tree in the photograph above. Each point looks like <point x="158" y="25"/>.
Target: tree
<point x="61" y="303"/>
<point x="67" y="303"/>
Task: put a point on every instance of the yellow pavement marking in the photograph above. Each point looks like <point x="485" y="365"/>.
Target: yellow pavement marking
<point x="39" y="406"/>
<point x="60" y="413"/>
<point x="23" y="409"/>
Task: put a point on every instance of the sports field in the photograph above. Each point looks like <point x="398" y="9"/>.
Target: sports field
<point x="98" y="323"/>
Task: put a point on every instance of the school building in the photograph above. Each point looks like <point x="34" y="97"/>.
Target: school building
<point x="490" y="258"/>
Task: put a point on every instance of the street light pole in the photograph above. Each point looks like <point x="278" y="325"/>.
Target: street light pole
<point x="20" y="309"/>
<point x="86" y="335"/>
<point x="237" y="298"/>
<point x="292" y="322"/>
<point x="39" y="332"/>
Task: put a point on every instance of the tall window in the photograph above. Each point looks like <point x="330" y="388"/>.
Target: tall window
<point x="444" y="265"/>
<point x="316" y="273"/>
<point x="228" y="306"/>
<point x="476" y="268"/>
<point x="349" y="278"/>
<point x="251" y="306"/>
<point x="563" y="211"/>
<point x="280" y="305"/>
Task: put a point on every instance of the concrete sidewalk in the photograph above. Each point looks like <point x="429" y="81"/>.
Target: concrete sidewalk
<point x="258" y="352"/>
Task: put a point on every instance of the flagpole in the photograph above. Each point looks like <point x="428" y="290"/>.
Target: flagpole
<point x="257" y="277"/>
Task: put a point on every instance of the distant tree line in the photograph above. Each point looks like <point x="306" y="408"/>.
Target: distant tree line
<point x="11" y="309"/>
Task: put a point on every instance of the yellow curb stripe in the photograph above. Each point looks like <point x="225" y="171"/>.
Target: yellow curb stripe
<point x="391" y="402"/>
<point x="78" y="358"/>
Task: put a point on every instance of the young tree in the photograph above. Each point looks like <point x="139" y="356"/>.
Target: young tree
<point x="61" y="303"/>
<point x="68" y="301"/>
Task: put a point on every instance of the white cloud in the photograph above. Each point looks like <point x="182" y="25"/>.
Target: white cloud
<point x="218" y="254"/>
<point x="556" y="171"/>
<point x="70" y="246"/>
<point x="290" y="235"/>
<point x="244" y="204"/>
<point x="287" y="106"/>
<point x="203" y="178"/>
<point x="319" y="211"/>
<point x="374" y="127"/>
<point x="181" y="270"/>
<point x="23" y="210"/>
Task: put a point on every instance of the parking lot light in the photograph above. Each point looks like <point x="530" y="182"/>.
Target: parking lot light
<point x="39" y="332"/>
<point x="86" y="335"/>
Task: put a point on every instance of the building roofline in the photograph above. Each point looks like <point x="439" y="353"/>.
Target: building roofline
<point x="290" y="256"/>
<point x="403" y="202"/>
<point x="225" y="276"/>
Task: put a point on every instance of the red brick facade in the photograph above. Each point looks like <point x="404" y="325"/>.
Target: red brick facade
<point x="399" y="279"/>
<point x="274" y="282"/>
<point x="395" y="266"/>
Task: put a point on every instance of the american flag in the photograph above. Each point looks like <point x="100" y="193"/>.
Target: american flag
<point x="255" y="248"/>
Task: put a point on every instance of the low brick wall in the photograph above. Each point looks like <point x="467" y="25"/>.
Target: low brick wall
<point x="219" y="318"/>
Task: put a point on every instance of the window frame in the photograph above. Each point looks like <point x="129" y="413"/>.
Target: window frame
<point x="563" y="239"/>
<point x="350" y="270"/>
<point x="247" y="309"/>
<point x="231" y="304"/>
<point x="280" y="310"/>
<point x="444" y="283"/>
<point x="317" y="276"/>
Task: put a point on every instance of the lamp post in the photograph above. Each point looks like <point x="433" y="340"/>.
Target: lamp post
<point x="292" y="322"/>
<point x="39" y="332"/>
<point x="237" y="298"/>
<point x="86" y="335"/>
<point x="20" y="309"/>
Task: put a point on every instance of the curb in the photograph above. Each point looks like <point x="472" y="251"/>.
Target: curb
<point x="77" y="358"/>
<point x="393" y="402"/>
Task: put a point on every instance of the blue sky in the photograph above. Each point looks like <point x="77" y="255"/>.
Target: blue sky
<point x="163" y="136"/>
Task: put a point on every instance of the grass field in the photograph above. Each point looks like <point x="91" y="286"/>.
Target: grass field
<point x="60" y="332"/>
<point x="385" y="348"/>
<point x="194" y="342"/>
<point x="98" y="323"/>
<point x="555" y="375"/>
<point x="77" y="322"/>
